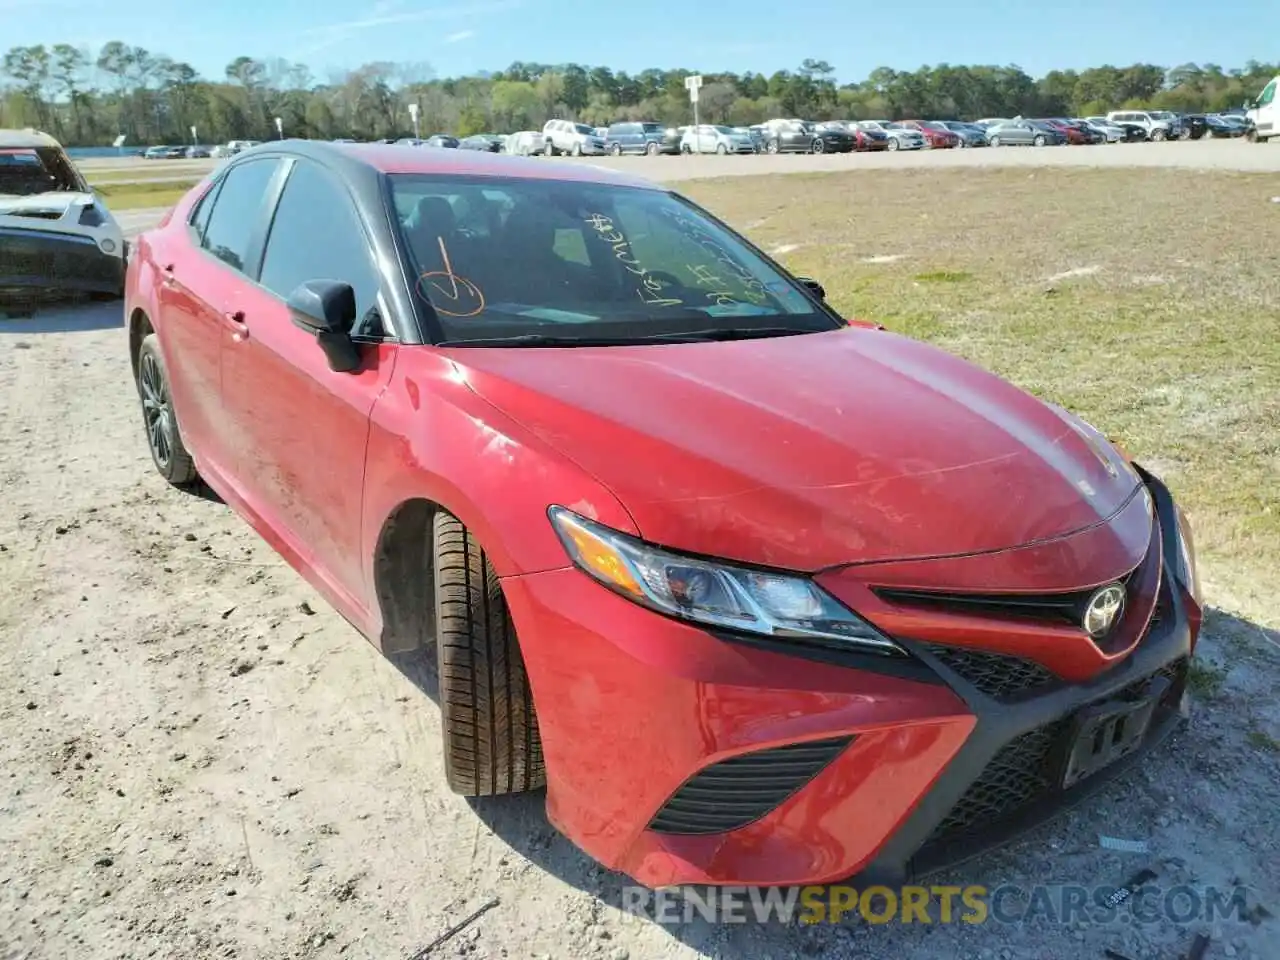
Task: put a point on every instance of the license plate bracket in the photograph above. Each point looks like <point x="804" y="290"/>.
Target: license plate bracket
<point x="1107" y="732"/>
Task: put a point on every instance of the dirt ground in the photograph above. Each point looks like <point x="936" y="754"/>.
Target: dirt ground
<point x="199" y="759"/>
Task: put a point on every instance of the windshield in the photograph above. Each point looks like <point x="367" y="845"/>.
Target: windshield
<point x="498" y="257"/>
<point x="28" y="172"/>
<point x="652" y="127"/>
<point x="932" y="125"/>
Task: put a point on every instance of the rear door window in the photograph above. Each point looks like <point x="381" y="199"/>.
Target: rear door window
<point x="237" y="211"/>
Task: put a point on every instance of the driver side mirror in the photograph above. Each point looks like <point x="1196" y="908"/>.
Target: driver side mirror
<point x="814" y="287"/>
<point x="327" y="308"/>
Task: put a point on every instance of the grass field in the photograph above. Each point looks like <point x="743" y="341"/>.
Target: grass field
<point x="136" y="196"/>
<point x="1146" y="301"/>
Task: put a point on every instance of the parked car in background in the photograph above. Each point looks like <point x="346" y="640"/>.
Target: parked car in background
<point x="525" y="143"/>
<point x="710" y="138"/>
<point x="970" y="134"/>
<point x="899" y="137"/>
<point x="936" y="136"/>
<point x="641" y="136"/>
<point x="1129" y="132"/>
<point x="197" y="152"/>
<point x="485" y="142"/>
<point x="441" y="140"/>
<point x="1024" y="133"/>
<point x="1158" y="124"/>
<point x="56" y="234"/>
<point x="1109" y="132"/>
<point x="863" y="140"/>
<point x="623" y="537"/>
<point x="407" y="142"/>
<point x="575" y="139"/>
<point x="1224" y="125"/>
<point x="164" y="153"/>
<point x="1076" y="133"/>
<point x="799" y="136"/>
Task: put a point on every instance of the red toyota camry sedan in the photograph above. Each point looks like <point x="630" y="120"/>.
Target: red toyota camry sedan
<point x="761" y="595"/>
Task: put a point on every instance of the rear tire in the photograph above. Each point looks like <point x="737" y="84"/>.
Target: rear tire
<point x="1157" y="135"/>
<point x="616" y="149"/>
<point x="651" y="149"/>
<point x="1039" y="141"/>
<point x="491" y="742"/>
<point x="164" y="439"/>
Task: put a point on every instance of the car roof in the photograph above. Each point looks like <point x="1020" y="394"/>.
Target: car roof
<point x="27" y="138"/>
<point x="398" y="158"/>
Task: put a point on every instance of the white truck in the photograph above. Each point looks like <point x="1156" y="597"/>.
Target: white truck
<point x="1263" y="113"/>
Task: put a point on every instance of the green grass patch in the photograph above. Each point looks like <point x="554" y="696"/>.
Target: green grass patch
<point x="1261" y="740"/>
<point x="944" y="276"/>
<point x="136" y="196"/>
<point x="1204" y="679"/>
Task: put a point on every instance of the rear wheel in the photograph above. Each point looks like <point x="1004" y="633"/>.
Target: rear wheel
<point x="995" y="141"/>
<point x="616" y="149"/>
<point x="164" y="439"/>
<point x="771" y="146"/>
<point x="651" y="149"/>
<point x="721" y="149"/>
<point x="491" y="742"/>
<point x="1157" y="135"/>
<point x="577" y="150"/>
<point x="817" y="147"/>
<point x="1039" y="141"/>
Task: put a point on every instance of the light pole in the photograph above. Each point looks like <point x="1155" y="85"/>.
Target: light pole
<point x="279" y="128"/>
<point x="413" y="113"/>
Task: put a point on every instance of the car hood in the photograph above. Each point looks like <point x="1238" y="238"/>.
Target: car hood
<point x="56" y="202"/>
<point x="812" y="451"/>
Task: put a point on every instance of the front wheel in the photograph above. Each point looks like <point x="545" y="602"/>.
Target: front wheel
<point x="1157" y="136"/>
<point x="817" y="147"/>
<point x="164" y="439"/>
<point x="1039" y="141"/>
<point x="616" y="149"/>
<point x="894" y="144"/>
<point x="491" y="742"/>
<point x="651" y="149"/>
<point x="577" y="150"/>
<point x="771" y="146"/>
<point x="995" y="141"/>
<point x="721" y="149"/>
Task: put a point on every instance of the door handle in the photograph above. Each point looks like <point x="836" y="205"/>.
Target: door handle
<point x="235" y="322"/>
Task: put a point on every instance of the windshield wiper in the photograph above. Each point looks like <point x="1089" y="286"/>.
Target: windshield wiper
<point x="538" y="340"/>
<point x="730" y="333"/>
<point x="565" y="340"/>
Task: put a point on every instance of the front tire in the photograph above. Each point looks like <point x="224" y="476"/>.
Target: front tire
<point x="1039" y="141"/>
<point x="577" y="150"/>
<point x="1157" y="135"/>
<point x="651" y="149"/>
<point x="616" y="149"/>
<point x="164" y="439"/>
<point x="491" y="742"/>
<point x="894" y="144"/>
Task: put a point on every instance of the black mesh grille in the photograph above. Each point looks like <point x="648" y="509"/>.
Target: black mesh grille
<point x="1019" y="774"/>
<point x="735" y="792"/>
<point x="1024" y="770"/>
<point x="995" y="674"/>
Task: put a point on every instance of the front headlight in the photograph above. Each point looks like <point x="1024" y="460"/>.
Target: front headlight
<point x="1190" y="573"/>
<point x="765" y="603"/>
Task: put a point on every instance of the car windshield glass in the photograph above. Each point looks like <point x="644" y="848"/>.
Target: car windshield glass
<point x="932" y="125"/>
<point x="652" y="127"/>
<point x="497" y="257"/>
<point x="27" y="172"/>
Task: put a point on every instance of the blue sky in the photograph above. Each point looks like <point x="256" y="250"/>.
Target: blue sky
<point x="855" y="36"/>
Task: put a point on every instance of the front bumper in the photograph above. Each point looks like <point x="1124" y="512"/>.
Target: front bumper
<point x="679" y="757"/>
<point x="45" y="260"/>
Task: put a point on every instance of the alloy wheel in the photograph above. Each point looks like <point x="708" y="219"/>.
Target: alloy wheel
<point x="156" y="410"/>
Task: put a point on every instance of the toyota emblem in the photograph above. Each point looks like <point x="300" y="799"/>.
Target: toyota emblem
<point x="1103" y="610"/>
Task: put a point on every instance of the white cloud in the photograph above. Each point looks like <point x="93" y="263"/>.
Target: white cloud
<point x="459" y="36"/>
<point x="385" y="13"/>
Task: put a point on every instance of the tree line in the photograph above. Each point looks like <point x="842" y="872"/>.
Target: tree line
<point x="88" y="98"/>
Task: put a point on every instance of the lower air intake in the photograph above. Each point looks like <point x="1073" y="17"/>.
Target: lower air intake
<point x="735" y="792"/>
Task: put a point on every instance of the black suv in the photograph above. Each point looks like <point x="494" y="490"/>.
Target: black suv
<point x="646" y="137"/>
